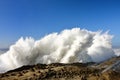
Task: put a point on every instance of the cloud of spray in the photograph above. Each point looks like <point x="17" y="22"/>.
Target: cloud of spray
<point x="68" y="46"/>
<point x="117" y="51"/>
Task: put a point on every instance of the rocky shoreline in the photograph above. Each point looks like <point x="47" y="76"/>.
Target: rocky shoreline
<point x="59" y="71"/>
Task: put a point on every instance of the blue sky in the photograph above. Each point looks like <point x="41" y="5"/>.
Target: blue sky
<point x="37" y="18"/>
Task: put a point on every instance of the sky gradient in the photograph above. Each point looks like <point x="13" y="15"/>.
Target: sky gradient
<point x="36" y="18"/>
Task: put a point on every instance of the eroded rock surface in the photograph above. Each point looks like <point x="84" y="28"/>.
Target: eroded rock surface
<point x="59" y="71"/>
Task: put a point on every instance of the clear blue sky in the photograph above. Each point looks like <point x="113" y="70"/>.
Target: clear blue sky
<point x="37" y="18"/>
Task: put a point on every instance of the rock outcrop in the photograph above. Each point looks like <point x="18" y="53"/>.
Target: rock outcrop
<point x="59" y="71"/>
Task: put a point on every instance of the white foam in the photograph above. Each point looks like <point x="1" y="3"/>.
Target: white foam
<point x="68" y="46"/>
<point x="117" y="51"/>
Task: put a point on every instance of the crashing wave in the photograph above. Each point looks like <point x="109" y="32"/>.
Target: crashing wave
<point x="68" y="46"/>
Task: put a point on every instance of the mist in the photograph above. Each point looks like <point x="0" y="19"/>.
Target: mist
<point x="68" y="46"/>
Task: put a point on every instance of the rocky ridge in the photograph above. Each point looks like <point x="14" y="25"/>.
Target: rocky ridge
<point x="59" y="71"/>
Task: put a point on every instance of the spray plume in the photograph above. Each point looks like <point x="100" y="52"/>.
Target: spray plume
<point x="68" y="46"/>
